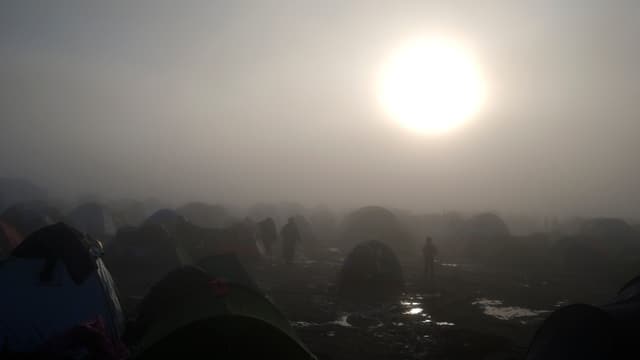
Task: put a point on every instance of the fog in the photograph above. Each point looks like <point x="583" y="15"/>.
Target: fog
<point x="249" y="101"/>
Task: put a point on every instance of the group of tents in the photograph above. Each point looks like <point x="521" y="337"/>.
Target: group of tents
<point x="60" y="297"/>
<point x="65" y="279"/>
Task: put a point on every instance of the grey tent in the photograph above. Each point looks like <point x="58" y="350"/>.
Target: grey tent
<point x="371" y="272"/>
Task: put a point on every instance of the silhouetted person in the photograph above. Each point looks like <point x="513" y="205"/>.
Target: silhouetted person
<point x="290" y="237"/>
<point x="269" y="234"/>
<point x="429" y="253"/>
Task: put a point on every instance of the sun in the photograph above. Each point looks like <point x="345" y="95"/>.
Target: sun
<point x="431" y="86"/>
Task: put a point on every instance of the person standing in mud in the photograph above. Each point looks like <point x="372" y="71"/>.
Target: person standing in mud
<point x="290" y="238"/>
<point x="429" y="253"/>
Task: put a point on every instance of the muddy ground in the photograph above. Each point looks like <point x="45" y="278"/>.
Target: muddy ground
<point x="471" y="313"/>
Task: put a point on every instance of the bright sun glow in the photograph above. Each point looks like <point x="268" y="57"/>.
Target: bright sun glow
<point x="431" y="86"/>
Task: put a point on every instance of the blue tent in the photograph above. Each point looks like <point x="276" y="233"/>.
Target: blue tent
<point x="54" y="280"/>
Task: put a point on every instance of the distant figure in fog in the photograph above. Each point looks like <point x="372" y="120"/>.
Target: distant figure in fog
<point x="429" y="253"/>
<point x="290" y="237"/>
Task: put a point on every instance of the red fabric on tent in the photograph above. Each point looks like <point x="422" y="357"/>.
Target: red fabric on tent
<point x="14" y="238"/>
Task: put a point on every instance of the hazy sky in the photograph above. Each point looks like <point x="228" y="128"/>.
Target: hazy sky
<point x="244" y="101"/>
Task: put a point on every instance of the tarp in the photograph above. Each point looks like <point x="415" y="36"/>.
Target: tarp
<point x="52" y="282"/>
<point x="191" y="314"/>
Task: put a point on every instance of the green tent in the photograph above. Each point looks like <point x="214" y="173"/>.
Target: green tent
<point x="192" y="314"/>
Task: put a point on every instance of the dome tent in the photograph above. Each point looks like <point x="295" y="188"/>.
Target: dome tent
<point x="371" y="272"/>
<point x="192" y="314"/>
<point x="53" y="281"/>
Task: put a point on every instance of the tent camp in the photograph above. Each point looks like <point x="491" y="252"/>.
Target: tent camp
<point x="140" y="256"/>
<point x="95" y="220"/>
<point x="53" y="281"/>
<point x="191" y="314"/>
<point x="20" y="220"/>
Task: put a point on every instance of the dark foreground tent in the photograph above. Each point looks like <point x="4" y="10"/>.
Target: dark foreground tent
<point x="94" y="220"/>
<point x="375" y="223"/>
<point x="190" y="314"/>
<point x="588" y="332"/>
<point x="371" y="272"/>
<point x="52" y="282"/>
<point x="20" y="220"/>
<point x="140" y="256"/>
